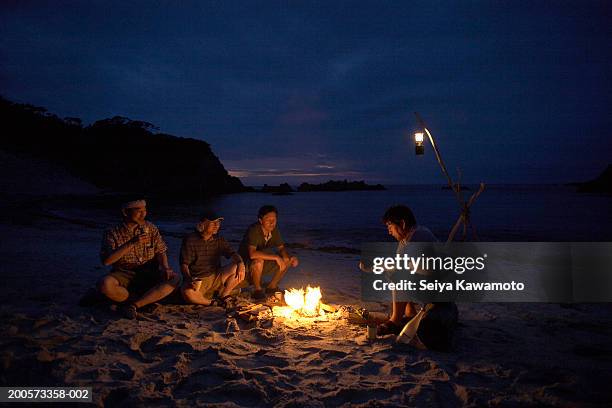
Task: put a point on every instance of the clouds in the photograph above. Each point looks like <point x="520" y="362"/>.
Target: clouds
<point x="275" y="170"/>
<point x="269" y="84"/>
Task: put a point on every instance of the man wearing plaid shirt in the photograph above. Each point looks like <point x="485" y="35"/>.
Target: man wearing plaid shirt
<point x="137" y="254"/>
<point x="200" y="259"/>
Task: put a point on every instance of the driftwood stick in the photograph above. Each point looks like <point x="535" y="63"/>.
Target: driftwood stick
<point x="438" y="157"/>
<point x="451" y="234"/>
<point x="464" y="217"/>
<point x="443" y="166"/>
<point x="476" y="194"/>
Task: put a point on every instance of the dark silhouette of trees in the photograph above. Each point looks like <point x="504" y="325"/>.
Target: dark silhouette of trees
<point x="281" y="189"/>
<point x="118" y="153"/>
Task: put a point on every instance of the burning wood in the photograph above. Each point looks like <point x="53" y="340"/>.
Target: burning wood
<point x="296" y="308"/>
<point x="302" y="304"/>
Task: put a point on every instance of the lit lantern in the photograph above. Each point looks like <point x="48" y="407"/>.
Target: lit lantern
<point x="418" y="140"/>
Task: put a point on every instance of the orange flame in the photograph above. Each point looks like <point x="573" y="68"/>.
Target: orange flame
<point x="301" y="302"/>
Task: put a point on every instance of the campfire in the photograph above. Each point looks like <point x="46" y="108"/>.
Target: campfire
<point x="302" y="304"/>
<point x="296" y="308"/>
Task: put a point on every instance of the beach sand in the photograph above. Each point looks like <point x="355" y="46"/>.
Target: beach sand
<point x="186" y="355"/>
<point x="183" y="355"/>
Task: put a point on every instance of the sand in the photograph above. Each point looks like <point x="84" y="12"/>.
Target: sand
<point x="183" y="355"/>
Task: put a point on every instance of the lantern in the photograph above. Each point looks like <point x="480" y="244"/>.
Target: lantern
<point x="418" y="141"/>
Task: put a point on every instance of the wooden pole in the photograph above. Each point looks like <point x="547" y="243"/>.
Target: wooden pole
<point x="464" y="218"/>
<point x="438" y="156"/>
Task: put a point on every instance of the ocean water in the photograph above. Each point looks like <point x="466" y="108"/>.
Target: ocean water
<point x="346" y="219"/>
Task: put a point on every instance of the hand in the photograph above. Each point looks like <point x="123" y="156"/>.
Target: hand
<point x="138" y="239"/>
<point x="240" y="271"/>
<point x="293" y="261"/>
<point x="364" y="268"/>
<point x="280" y="262"/>
<point x="167" y="273"/>
<point x="193" y="284"/>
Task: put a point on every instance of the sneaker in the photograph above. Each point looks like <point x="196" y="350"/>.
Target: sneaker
<point x="129" y="311"/>
<point x="228" y="302"/>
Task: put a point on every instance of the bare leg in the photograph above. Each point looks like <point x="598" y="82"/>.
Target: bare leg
<point x="278" y="276"/>
<point x="398" y="309"/>
<point x="398" y="312"/>
<point x="256" y="271"/>
<point x="109" y="286"/>
<point x="194" y="296"/>
<point x="158" y="292"/>
<point x="228" y="277"/>
<point x="411" y="309"/>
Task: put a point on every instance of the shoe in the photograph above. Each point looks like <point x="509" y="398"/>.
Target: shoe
<point x="228" y="302"/>
<point x="258" y="294"/>
<point x="388" y="328"/>
<point x="129" y="311"/>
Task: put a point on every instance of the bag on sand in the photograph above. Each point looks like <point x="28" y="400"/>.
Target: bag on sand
<point x="432" y="328"/>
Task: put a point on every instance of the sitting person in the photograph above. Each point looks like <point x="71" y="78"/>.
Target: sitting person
<point x="200" y="261"/>
<point x="137" y="253"/>
<point x="264" y="252"/>
<point x="439" y="320"/>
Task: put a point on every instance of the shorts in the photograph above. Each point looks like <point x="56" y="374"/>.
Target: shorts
<point x="138" y="279"/>
<point x="209" y="285"/>
<point x="269" y="269"/>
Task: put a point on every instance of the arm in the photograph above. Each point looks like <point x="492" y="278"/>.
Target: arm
<point x="162" y="261"/>
<point x="240" y="267"/>
<point x="118" y="253"/>
<point x="237" y="259"/>
<point x="253" y="239"/>
<point x="255" y="254"/>
<point x="229" y="252"/>
<point x="186" y="273"/>
<point x="283" y="252"/>
<point x="264" y="256"/>
<point x="186" y="258"/>
<point x="289" y="260"/>
<point x="364" y="268"/>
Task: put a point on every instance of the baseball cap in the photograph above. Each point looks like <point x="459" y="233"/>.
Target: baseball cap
<point x="210" y="216"/>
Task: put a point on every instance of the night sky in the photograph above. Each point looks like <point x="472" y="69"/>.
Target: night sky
<point x="514" y="91"/>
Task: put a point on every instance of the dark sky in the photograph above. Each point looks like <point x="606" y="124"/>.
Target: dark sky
<point x="514" y="91"/>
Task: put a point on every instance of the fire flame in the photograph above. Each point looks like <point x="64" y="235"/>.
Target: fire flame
<point x="301" y="303"/>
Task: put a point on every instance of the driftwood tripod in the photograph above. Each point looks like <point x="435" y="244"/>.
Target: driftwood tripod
<point x="464" y="217"/>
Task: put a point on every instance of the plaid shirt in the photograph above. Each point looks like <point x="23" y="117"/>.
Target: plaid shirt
<point x="139" y="253"/>
<point x="204" y="257"/>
